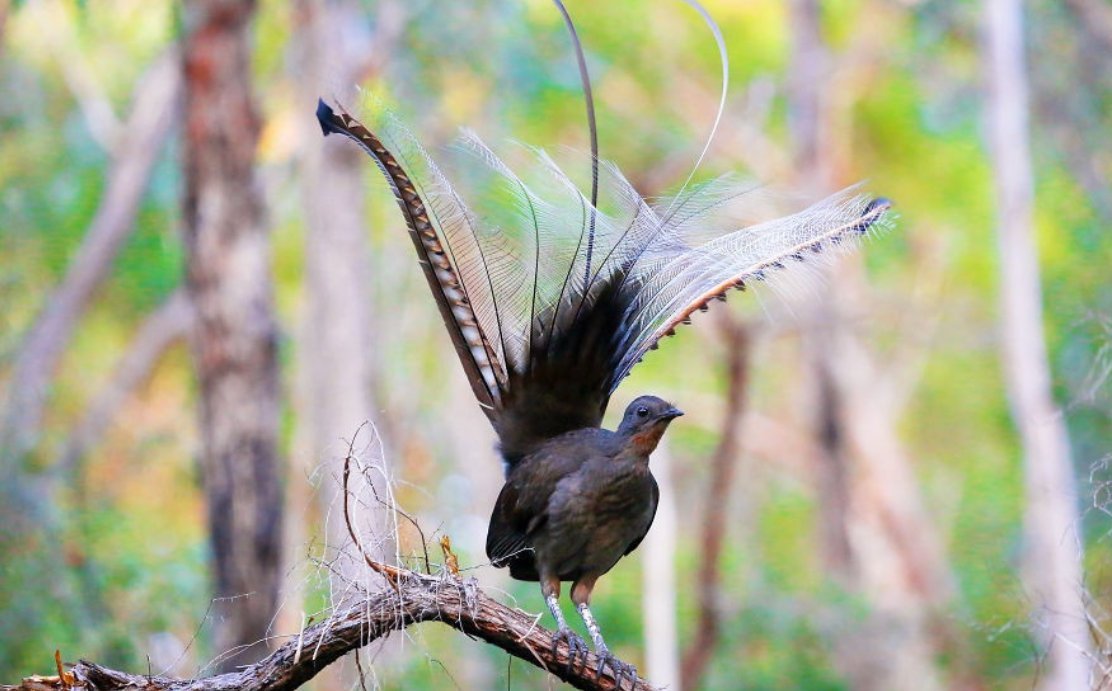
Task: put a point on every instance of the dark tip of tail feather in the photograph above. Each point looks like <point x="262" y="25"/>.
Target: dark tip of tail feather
<point x="325" y="116"/>
<point x="872" y="213"/>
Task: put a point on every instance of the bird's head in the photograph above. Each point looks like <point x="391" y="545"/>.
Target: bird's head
<point x="645" y="420"/>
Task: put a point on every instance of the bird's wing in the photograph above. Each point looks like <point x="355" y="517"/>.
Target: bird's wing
<point x="522" y="506"/>
<point x="656" y="502"/>
<point x="507" y="536"/>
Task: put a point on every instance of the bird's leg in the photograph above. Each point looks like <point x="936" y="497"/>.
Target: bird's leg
<point x="577" y="649"/>
<point x="581" y="596"/>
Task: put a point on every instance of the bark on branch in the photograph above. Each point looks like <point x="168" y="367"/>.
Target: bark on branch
<point x="416" y="598"/>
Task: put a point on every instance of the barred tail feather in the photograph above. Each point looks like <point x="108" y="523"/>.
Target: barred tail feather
<point x="472" y="346"/>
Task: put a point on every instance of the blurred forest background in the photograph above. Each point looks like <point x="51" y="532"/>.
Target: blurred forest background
<point x="862" y="494"/>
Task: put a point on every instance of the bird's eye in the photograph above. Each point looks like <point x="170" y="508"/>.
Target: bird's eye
<point x="642" y="411"/>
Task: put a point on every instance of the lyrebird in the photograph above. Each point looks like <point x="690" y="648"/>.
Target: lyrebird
<point x="550" y="303"/>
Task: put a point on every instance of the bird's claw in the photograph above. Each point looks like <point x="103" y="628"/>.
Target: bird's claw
<point x="622" y="670"/>
<point x="577" y="648"/>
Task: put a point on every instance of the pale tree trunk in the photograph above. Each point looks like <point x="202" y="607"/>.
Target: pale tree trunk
<point x="5" y="12"/>
<point x="715" y="506"/>
<point x="1052" y="561"/>
<point x="885" y="546"/>
<point x="234" y="338"/>
<point x="658" y="577"/>
<point x="337" y="341"/>
<point x="808" y="72"/>
<point x="1097" y="16"/>
<point x="335" y="337"/>
<point x="877" y="537"/>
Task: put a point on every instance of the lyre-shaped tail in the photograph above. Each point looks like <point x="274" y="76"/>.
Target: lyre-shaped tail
<point x="549" y="300"/>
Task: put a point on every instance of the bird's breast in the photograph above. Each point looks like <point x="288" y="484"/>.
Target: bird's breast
<point x="623" y="496"/>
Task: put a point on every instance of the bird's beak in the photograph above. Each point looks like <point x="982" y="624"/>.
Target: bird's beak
<point x="671" y="413"/>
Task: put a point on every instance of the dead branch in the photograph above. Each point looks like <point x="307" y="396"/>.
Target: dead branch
<point x="723" y="461"/>
<point x="417" y="598"/>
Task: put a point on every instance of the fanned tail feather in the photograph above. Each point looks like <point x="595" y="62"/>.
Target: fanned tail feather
<point x="695" y="277"/>
<point x="551" y="299"/>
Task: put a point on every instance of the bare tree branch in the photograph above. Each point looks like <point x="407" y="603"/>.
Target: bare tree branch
<point x="409" y="598"/>
<point x="416" y="598"/>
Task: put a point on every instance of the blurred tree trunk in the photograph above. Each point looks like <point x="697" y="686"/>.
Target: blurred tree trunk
<point x="234" y="338"/>
<point x="1052" y="569"/>
<point x="336" y="337"/>
<point x="877" y="537"/>
<point x="723" y="464"/>
<point x="658" y="578"/>
<point x="1097" y="16"/>
<point x="5" y="12"/>
<point x="333" y="48"/>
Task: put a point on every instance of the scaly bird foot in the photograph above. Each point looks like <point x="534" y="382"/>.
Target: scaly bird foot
<point x="622" y="670"/>
<point x="577" y="648"/>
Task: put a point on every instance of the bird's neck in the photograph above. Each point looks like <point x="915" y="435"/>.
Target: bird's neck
<point x="644" y="442"/>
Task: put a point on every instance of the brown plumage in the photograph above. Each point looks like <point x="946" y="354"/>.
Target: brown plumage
<point x="575" y="506"/>
<point x="582" y="500"/>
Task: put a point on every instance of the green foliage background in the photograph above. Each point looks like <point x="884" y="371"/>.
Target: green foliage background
<point x="133" y="539"/>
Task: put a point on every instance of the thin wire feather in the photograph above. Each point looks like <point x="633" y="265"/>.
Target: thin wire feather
<point x="535" y="222"/>
<point x="592" y="129"/>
